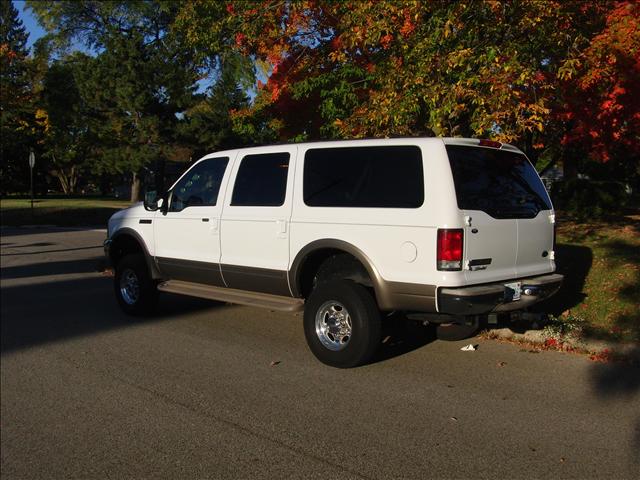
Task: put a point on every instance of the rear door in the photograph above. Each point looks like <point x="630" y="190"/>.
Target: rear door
<point x="535" y="245"/>
<point x="256" y="221"/>
<point x="490" y="247"/>
<point x="507" y="228"/>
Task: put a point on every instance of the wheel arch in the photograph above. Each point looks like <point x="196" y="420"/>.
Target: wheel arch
<point x="312" y="255"/>
<point x="127" y="241"/>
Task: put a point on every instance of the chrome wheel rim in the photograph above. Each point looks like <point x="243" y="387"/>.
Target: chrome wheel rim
<point x="129" y="287"/>
<point x="333" y="325"/>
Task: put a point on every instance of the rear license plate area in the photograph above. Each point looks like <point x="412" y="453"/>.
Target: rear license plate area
<point x="512" y="291"/>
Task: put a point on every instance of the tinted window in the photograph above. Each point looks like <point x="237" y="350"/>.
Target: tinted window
<point x="261" y="180"/>
<point x="200" y="185"/>
<point x="501" y="183"/>
<point x="382" y="177"/>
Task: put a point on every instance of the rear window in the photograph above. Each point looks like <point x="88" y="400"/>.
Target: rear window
<point x="501" y="183"/>
<point x="365" y="177"/>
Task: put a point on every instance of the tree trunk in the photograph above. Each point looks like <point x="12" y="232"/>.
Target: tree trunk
<point x="62" y="178"/>
<point x="73" y="179"/>
<point x="135" y="188"/>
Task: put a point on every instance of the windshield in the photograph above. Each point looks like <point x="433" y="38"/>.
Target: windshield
<point x="501" y="183"/>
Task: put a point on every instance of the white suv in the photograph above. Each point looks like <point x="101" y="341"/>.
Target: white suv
<point x="449" y="228"/>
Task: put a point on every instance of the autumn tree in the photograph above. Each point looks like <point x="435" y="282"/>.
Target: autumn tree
<point x="600" y="85"/>
<point x="379" y="68"/>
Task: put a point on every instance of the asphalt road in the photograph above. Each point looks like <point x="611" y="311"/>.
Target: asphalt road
<point x="206" y="390"/>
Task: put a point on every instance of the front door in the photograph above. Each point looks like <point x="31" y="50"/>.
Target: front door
<point x="255" y="223"/>
<point x="187" y="236"/>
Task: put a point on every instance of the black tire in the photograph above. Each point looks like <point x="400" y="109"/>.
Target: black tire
<point x="145" y="300"/>
<point x="365" y="324"/>
<point x="460" y="329"/>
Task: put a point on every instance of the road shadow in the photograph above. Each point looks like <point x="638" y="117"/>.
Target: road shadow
<point x="28" y="245"/>
<point x="62" y="216"/>
<point x="574" y="262"/>
<point x="60" y="267"/>
<point x="59" y="250"/>
<point x="48" y="312"/>
<point x="12" y="231"/>
<point x="619" y="380"/>
<point x="401" y="335"/>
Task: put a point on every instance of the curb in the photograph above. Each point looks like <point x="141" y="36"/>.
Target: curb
<point x="599" y="348"/>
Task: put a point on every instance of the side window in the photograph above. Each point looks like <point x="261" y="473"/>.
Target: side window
<point x="199" y="186"/>
<point x="261" y="180"/>
<point x="364" y="177"/>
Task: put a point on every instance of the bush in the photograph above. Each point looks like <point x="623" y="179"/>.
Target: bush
<point x="584" y="198"/>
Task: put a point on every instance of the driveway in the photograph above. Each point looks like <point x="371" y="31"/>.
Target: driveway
<point x="205" y="389"/>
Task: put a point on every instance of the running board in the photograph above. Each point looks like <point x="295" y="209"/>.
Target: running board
<point x="241" y="297"/>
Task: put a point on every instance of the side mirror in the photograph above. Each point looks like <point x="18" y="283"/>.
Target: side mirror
<point x="151" y="199"/>
<point x="153" y="188"/>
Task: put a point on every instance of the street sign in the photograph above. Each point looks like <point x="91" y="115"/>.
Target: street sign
<point x="32" y="159"/>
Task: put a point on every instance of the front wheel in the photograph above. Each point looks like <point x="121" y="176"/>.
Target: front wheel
<point x="342" y="324"/>
<point x="134" y="288"/>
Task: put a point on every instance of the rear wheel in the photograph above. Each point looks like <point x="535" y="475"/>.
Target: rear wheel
<point x="134" y="288"/>
<point x="342" y="324"/>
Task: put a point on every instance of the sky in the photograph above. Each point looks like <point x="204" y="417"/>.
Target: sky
<point x="34" y="30"/>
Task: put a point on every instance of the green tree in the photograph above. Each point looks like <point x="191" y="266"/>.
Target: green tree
<point x="208" y="125"/>
<point x="140" y="82"/>
<point x="66" y="139"/>
<point x="16" y="100"/>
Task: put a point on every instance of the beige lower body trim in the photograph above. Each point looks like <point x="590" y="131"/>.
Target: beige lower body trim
<point x="406" y="296"/>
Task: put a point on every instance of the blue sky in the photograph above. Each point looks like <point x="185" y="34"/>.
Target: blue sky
<point x="29" y="20"/>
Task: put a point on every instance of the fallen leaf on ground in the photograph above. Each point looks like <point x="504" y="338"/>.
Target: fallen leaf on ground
<point x="275" y="362"/>
<point x="502" y="364"/>
<point x="455" y="419"/>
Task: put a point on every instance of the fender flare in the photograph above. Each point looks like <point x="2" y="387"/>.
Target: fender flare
<point x="295" y="271"/>
<point x="130" y="232"/>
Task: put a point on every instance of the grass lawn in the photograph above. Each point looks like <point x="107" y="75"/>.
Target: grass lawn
<point x="67" y="212"/>
<point x="601" y="264"/>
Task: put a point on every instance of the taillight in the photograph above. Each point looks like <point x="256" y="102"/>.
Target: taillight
<point x="449" y="253"/>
